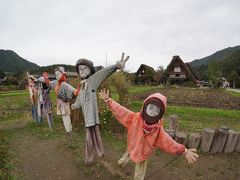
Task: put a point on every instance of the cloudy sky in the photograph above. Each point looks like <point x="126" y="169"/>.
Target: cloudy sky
<point x="151" y="31"/>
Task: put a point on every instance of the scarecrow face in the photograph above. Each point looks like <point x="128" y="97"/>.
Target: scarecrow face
<point x="152" y="110"/>
<point x="84" y="71"/>
<point x="58" y="75"/>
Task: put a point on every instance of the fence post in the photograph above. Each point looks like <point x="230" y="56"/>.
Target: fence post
<point x="219" y="140"/>
<point x="173" y="122"/>
<point x="172" y="125"/>
<point x="207" y="139"/>
<point x="194" y="140"/>
<point x="231" y="141"/>
<point x="237" y="147"/>
<point x="181" y="137"/>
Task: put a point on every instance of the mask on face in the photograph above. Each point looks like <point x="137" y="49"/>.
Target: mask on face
<point x="153" y="110"/>
<point x="84" y="71"/>
<point x="87" y="63"/>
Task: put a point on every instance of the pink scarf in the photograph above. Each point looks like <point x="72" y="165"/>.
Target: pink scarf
<point x="148" y="128"/>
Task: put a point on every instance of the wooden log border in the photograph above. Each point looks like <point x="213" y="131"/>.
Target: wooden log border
<point x="221" y="140"/>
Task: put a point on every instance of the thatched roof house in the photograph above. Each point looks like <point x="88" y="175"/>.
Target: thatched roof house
<point x="178" y="71"/>
<point x="145" y="75"/>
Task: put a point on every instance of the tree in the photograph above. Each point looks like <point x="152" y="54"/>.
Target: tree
<point x="2" y="74"/>
<point x="159" y="74"/>
<point x="215" y="73"/>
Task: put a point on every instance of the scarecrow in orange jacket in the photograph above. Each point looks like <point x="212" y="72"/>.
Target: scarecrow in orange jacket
<point x="145" y="132"/>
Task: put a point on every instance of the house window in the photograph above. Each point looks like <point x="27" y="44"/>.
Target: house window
<point x="177" y="75"/>
<point x="177" y="69"/>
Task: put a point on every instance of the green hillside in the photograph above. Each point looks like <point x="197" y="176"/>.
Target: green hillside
<point x="225" y="63"/>
<point x="218" y="56"/>
<point x="12" y="62"/>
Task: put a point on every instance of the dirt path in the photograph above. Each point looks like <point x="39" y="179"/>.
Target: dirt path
<point x="46" y="159"/>
<point x="52" y="159"/>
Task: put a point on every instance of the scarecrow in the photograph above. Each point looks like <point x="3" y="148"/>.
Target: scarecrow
<point x="87" y="100"/>
<point x="145" y="132"/>
<point x="44" y="100"/>
<point x="64" y="92"/>
<point x="33" y="96"/>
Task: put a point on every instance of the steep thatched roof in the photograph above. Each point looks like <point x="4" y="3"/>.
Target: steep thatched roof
<point x="148" y="69"/>
<point x="175" y="59"/>
<point x="193" y="74"/>
<point x="186" y="66"/>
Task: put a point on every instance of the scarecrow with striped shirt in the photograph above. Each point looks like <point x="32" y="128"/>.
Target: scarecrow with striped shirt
<point x="65" y="92"/>
<point x="145" y="132"/>
<point x="87" y="100"/>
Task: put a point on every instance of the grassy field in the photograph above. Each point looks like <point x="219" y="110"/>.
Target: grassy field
<point x="16" y="124"/>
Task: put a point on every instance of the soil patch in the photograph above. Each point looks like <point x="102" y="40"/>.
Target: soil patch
<point x="52" y="159"/>
<point x="196" y="98"/>
<point x="46" y="159"/>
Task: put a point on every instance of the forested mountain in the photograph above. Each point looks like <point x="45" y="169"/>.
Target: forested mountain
<point x="12" y="62"/>
<point x="218" y="56"/>
<point x="51" y="69"/>
<point x="224" y="63"/>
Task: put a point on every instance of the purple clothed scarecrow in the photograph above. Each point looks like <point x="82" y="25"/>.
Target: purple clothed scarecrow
<point x="44" y="100"/>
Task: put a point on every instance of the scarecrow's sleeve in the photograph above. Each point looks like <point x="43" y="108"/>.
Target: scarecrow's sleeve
<point x="167" y="144"/>
<point x="77" y="103"/>
<point x="100" y="76"/>
<point x="53" y="84"/>
<point x="122" y="114"/>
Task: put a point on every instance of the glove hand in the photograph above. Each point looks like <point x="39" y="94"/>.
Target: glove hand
<point x="191" y="155"/>
<point x="121" y="64"/>
<point x="104" y="95"/>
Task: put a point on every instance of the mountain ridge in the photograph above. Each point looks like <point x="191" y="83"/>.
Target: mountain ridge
<point x="13" y="63"/>
<point x="217" y="56"/>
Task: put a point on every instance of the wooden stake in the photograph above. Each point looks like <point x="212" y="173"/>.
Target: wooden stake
<point x="194" y="140"/>
<point x="181" y="137"/>
<point x="231" y="141"/>
<point x="237" y="147"/>
<point x="219" y="141"/>
<point x="207" y="139"/>
<point x="173" y="122"/>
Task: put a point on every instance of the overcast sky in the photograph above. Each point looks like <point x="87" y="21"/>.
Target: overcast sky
<point x="150" y="31"/>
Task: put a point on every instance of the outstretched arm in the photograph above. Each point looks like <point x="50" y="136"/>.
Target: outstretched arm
<point x="99" y="77"/>
<point x="167" y="144"/>
<point x="122" y="114"/>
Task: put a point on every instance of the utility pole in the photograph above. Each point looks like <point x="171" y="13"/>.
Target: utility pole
<point x="106" y="58"/>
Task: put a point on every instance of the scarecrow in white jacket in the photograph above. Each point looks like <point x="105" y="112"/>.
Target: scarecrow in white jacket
<point x="64" y="92"/>
<point x="87" y="100"/>
<point x="44" y="100"/>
